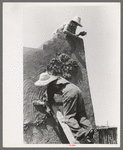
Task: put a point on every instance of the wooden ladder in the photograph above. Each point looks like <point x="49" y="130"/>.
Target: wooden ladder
<point x="58" y="115"/>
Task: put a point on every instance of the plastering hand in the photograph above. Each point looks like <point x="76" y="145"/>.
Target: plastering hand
<point x="83" y="33"/>
<point x="38" y="102"/>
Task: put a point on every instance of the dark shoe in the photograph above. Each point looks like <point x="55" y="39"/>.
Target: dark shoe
<point x="88" y="138"/>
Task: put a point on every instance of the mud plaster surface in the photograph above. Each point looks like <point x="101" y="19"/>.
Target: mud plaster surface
<point x="35" y="61"/>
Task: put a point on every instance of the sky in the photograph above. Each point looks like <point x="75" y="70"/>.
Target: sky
<point x="102" y="48"/>
<point x="30" y="25"/>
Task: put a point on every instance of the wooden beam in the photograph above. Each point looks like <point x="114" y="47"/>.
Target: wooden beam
<point x="65" y="127"/>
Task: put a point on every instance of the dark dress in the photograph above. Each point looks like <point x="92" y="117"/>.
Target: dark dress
<point x="73" y="106"/>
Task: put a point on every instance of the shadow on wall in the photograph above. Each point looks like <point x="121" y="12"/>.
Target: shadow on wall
<point x="35" y="62"/>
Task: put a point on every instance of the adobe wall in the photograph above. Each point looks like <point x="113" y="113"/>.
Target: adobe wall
<point x="35" y="62"/>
